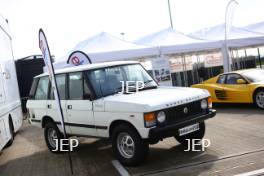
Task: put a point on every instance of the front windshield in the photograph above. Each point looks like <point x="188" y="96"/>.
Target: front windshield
<point x="254" y="75"/>
<point x="110" y="80"/>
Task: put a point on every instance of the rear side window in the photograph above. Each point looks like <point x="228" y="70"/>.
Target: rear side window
<point x="221" y="79"/>
<point x="42" y="89"/>
<point x="78" y="89"/>
<point x="61" y="80"/>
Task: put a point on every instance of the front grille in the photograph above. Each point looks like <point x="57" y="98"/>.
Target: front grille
<point x="177" y="114"/>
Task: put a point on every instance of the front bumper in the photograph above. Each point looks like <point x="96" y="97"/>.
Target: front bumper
<point x="158" y="133"/>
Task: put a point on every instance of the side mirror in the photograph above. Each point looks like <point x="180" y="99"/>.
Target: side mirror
<point x="241" y="81"/>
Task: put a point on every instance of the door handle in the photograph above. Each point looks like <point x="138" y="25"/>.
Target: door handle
<point x="49" y="106"/>
<point x="69" y="106"/>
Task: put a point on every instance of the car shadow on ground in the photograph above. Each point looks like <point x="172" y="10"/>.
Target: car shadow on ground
<point x="237" y="108"/>
<point x="162" y="160"/>
<point x="91" y="158"/>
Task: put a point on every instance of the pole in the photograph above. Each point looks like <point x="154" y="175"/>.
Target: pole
<point x="44" y="47"/>
<point x="227" y="67"/>
<point x="259" y="58"/>
<point x="170" y="14"/>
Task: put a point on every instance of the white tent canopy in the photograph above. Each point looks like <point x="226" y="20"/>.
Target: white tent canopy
<point x="237" y="37"/>
<point x="257" y="27"/>
<point x="171" y="42"/>
<point x="105" y="47"/>
<point x="218" y="33"/>
<point x="166" y="37"/>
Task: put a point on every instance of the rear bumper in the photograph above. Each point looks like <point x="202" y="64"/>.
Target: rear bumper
<point x="172" y="130"/>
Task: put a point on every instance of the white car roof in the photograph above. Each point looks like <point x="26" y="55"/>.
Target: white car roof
<point x="89" y="67"/>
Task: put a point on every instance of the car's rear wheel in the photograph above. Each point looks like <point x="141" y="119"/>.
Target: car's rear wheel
<point x="52" y="137"/>
<point x="259" y="99"/>
<point x="128" y="146"/>
<point x="197" y="135"/>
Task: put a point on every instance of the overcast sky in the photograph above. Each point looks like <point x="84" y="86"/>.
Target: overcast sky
<point x="67" y="22"/>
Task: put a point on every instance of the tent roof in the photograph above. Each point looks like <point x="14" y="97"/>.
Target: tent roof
<point x="166" y="37"/>
<point x="218" y="33"/>
<point x="172" y="42"/>
<point x="104" y="42"/>
<point x="256" y="27"/>
<point x="104" y="47"/>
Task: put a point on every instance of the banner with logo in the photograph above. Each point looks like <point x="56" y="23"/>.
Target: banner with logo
<point x="213" y="60"/>
<point x="77" y="58"/>
<point x="43" y="45"/>
<point x="180" y="64"/>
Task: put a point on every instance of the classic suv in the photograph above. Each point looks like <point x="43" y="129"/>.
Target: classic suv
<point x="241" y="86"/>
<point x="93" y="106"/>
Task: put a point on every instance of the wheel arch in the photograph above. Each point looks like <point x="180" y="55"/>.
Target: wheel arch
<point x="119" y="122"/>
<point x="45" y="120"/>
<point x="255" y="91"/>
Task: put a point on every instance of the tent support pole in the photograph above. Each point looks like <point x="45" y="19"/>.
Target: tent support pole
<point x="259" y="58"/>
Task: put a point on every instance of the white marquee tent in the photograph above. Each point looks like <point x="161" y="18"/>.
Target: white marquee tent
<point x="237" y="37"/>
<point x="105" y="47"/>
<point x="257" y="27"/>
<point x="171" y="41"/>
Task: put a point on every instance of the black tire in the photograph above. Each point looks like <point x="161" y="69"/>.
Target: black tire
<point x="141" y="147"/>
<point x="52" y="127"/>
<point x="257" y="101"/>
<point x="194" y="135"/>
<point x="12" y="133"/>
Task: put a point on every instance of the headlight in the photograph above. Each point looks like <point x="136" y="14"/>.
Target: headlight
<point x="204" y="104"/>
<point x="161" y="117"/>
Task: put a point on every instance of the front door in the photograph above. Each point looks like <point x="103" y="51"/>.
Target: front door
<point x="79" y="106"/>
<point x="237" y="93"/>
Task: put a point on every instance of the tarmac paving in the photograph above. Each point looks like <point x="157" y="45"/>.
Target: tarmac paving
<point x="237" y="146"/>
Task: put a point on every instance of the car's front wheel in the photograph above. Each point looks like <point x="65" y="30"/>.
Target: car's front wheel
<point x="52" y="137"/>
<point x="128" y="146"/>
<point x="196" y="136"/>
<point x="259" y="99"/>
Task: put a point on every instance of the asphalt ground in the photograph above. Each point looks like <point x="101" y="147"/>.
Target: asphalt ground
<point x="236" y="134"/>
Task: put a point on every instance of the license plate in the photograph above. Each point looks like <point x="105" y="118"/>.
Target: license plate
<point x="189" y="129"/>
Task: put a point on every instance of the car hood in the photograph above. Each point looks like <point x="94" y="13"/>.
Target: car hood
<point x="153" y="99"/>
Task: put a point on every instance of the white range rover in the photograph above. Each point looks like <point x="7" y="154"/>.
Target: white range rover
<point x="93" y="106"/>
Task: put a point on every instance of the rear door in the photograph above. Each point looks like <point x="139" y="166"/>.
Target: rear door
<point x="52" y="105"/>
<point x="238" y="93"/>
<point x="79" y="106"/>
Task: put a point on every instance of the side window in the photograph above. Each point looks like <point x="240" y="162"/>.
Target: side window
<point x="78" y="88"/>
<point x="33" y="88"/>
<point x="42" y="89"/>
<point x="221" y="79"/>
<point x="232" y="78"/>
<point x="61" y="80"/>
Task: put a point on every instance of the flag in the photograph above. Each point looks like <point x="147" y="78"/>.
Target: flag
<point x="77" y="58"/>
<point x="44" y="47"/>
